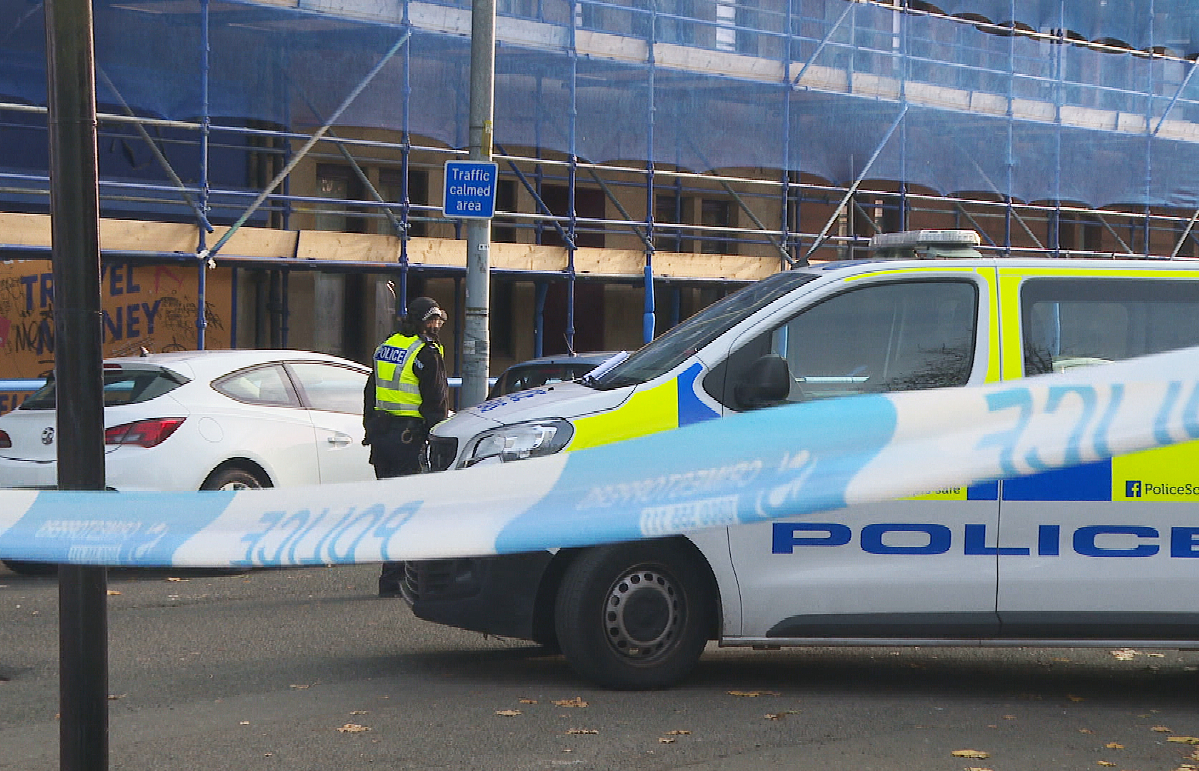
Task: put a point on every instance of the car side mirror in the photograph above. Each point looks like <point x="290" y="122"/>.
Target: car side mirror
<point x="766" y="383"/>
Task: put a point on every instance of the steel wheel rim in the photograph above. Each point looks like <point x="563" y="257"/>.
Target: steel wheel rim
<point x="643" y="614"/>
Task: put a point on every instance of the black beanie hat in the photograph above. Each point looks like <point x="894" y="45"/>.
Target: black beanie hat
<point x="422" y="309"/>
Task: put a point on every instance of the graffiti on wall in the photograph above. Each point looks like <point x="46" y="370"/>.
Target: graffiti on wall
<point x="143" y="306"/>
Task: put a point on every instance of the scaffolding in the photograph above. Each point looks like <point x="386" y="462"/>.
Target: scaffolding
<point x="680" y="135"/>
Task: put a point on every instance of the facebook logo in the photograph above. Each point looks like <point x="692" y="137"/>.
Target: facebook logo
<point x="1132" y="488"/>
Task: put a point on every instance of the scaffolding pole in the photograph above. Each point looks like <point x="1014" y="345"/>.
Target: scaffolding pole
<point x="648" y="320"/>
<point x="204" y="227"/>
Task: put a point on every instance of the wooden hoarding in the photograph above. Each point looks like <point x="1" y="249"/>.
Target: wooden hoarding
<point x="144" y="306"/>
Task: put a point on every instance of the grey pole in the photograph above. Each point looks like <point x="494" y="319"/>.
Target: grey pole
<point x="475" y="346"/>
<point x="75" y="248"/>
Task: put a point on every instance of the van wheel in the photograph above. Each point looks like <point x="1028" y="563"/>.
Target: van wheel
<point x="636" y="615"/>
<point x="232" y="479"/>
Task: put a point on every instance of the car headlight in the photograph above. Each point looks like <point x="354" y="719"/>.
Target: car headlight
<point x="519" y="441"/>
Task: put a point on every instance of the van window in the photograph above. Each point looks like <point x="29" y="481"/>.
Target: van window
<point x="1069" y="323"/>
<point x="675" y="346"/>
<point x="889" y="337"/>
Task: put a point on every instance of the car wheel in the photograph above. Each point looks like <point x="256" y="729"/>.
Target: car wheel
<point x="23" y="568"/>
<point x="635" y="616"/>
<point x="232" y="479"/>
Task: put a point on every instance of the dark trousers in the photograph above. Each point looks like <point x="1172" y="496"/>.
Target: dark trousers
<point x="395" y="452"/>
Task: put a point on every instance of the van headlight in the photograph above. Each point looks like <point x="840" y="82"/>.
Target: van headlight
<point x="519" y="441"/>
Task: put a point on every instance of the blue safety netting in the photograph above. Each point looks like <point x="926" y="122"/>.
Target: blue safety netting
<point x="1008" y="98"/>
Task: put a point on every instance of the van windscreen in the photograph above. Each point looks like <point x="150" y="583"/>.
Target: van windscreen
<point x="670" y="349"/>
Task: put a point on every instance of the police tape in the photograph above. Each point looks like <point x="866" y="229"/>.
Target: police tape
<point x="782" y="462"/>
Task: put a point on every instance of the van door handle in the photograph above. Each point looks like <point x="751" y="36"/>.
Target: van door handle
<point x="339" y="439"/>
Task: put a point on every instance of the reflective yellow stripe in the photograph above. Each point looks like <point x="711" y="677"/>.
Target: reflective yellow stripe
<point x="396" y="408"/>
<point x="948" y="494"/>
<point x="645" y="412"/>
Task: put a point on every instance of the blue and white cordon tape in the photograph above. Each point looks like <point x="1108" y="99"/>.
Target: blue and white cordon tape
<point x="774" y="463"/>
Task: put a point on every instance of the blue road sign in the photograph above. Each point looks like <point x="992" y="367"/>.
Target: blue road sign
<point x="470" y="189"/>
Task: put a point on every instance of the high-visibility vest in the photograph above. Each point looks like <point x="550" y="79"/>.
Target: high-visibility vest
<point x="397" y="389"/>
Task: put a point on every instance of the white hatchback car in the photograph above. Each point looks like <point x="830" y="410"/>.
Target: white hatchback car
<point x="208" y="420"/>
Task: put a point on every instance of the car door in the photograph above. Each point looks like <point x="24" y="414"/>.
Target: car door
<point x="920" y="567"/>
<point x="266" y="422"/>
<point x="1106" y="549"/>
<point x="333" y="395"/>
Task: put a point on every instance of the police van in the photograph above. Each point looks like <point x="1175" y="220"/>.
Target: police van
<point x="1096" y="555"/>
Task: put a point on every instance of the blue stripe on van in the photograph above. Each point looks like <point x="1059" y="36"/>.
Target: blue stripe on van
<point x="691" y="409"/>
<point x="1088" y="482"/>
<point x="985" y="491"/>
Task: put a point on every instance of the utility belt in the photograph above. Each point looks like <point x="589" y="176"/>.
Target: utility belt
<point x="411" y="429"/>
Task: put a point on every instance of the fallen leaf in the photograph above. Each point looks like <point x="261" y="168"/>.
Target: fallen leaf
<point x="1009" y="717"/>
<point x="178" y="580"/>
<point x="352" y="728"/>
<point x="359" y="712"/>
<point x="1161" y="729"/>
<point x="1183" y="739"/>
<point x="244" y="722"/>
<point x="580" y="731"/>
<point x="1125" y="654"/>
<point x="1114" y="746"/>
<point x="575" y="702"/>
<point x="665" y="740"/>
<point x="528" y="701"/>
<point x="300" y="687"/>
<point x="507" y="712"/>
<point x="678" y="733"/>
<point x="1071" y="697"/>
<point x="113" y="593"/>
<point x="781" y="715"/>
<point x="1085" y="731"/>
<point x="976" y="768"/>
<point x="978" y="754"/>
<point x="1104" y="763"/>
<point x="754" y="694"/>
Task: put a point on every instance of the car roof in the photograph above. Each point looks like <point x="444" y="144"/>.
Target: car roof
<point x="211" y="362"/>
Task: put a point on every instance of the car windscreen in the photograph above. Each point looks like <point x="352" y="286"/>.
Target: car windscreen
<point x="520" y="378"/>
<point x="121" y="386"/>
<point x="667" y="351"/>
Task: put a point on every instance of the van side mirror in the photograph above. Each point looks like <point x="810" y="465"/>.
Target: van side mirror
<point x="766" y="383"/>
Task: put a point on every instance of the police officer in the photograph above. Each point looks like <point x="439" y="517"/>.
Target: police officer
<point x="406" y="395"/>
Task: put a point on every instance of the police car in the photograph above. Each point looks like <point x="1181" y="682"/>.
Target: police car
<point x="1096" y="555"/>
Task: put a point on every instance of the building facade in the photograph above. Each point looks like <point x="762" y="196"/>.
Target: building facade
<point x="271" y="171"/>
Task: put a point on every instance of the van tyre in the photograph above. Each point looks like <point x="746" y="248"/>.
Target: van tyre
<point x="636" y="615"/>
<point x="232" y="479"/>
